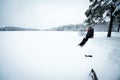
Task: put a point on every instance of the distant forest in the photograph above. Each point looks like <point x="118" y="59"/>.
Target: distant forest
<point x="71" y="27"/>
<point x="79" y="27"/>
<point x="9" y="28"/>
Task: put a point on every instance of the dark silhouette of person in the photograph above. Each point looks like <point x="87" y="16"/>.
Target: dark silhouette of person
<point x="90" y="34"/>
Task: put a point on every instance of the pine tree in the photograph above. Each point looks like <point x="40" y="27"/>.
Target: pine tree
<point x="116" y="13"/>
<point x="100" y="9"/>
<point x="118" y="18"/>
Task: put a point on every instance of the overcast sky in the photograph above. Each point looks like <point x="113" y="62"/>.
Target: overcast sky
<point x="42" y="13"/>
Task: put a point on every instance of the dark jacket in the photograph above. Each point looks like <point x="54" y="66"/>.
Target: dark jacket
<point x="90" y="33"/>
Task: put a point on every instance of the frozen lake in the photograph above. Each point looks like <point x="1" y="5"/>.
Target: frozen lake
<point x="40" y="55"/>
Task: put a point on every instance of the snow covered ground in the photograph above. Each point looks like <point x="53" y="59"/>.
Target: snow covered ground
<point x="55" y="55"/>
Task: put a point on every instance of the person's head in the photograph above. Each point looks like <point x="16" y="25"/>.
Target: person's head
<point x="89" y="28"/>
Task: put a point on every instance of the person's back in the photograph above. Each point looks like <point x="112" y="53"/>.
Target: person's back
<point x="90" y="32"/>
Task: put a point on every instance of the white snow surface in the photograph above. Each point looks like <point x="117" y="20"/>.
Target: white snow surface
<point x="40" y="55"/>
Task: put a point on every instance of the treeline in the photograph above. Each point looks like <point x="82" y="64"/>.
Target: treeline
<point x="80" y="27"/>
<point x="67" y="28"/>
<point x="17" y="29"/>
<point x="71" y="27"/>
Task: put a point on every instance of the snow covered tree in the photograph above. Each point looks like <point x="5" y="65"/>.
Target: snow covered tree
<point x="94" y="13"/>
<point x="116" y="13"/>
<point x="99" y="10"/>
<point x="118" y="28"/>
<point x="118" y="21"/>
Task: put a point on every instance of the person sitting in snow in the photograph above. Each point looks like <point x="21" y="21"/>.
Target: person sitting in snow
<point x="90" y="34"/>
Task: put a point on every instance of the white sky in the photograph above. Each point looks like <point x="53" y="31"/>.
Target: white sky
<point x="42" y="13"/>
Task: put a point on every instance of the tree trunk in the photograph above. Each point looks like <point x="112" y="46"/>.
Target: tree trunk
<point x="118" y="28"/>
<point x="110" y="27"/>
<point x="111" y="22"/>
